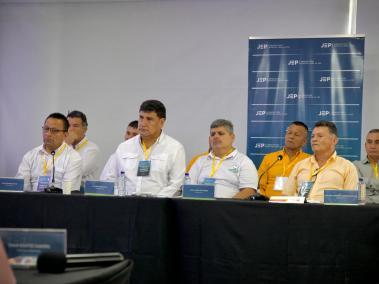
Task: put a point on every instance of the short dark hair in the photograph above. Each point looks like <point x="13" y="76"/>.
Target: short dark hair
<point x="154" y="106"/>
<point x="375" y="130"/>
<point x="330" y="125"/>
<point x="223" y="123"/>
<point x="78" y="114"/>
<point x="57" y="115"/>
<point x="300" y="123"/>
<point x="133" y="124"/>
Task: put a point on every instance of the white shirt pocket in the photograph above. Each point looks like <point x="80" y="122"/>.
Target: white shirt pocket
<point x="158" y="162"/>
<point x="130" y="161"/>
<point x="58" y="176"/>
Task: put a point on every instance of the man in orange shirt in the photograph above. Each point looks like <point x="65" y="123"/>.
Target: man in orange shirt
<point x="324" y="169"/>
<point x="276" y="166"/>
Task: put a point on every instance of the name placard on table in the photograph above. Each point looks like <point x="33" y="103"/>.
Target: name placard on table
<point x="24" y="245"/>
<point x="198" y="191"/>
<point x="94" y="187"/>
<point x="287" y="199"/>
<point x="341" y="197"/>
<point x="11" y="184"/>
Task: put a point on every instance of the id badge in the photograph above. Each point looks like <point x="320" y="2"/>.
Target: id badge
<point x="305" y="188"/>
<point x="143" y="168"/>
<point x="209" y="181"/>
<point x="280" y="182"/>
<point x="43" y="182"/>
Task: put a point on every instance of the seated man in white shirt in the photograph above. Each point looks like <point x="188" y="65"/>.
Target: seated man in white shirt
<point x="131" y="131"/>
<point x="153" y="162"/>
<point x="234" y="173"/>
<point x="37" y="164"/>
<point x="87" y="149"/>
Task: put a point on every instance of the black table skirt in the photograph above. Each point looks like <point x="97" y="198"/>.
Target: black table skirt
<point x="191" y="241"/>
<point x="116" y="274"/>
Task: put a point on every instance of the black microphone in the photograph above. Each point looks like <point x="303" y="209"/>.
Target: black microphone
<point x="259" y="196"/>
<point x="57" y="262"/>
<point x="52" y="188"/>
<point x="53" y="179"/>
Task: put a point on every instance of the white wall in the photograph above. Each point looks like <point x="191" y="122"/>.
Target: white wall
<point x="368" y="23"/>
<point x="106" y="57"/>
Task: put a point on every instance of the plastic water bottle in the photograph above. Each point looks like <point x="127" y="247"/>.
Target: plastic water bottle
<point x="187" y="179"/>
<point x="121" y="184"/>
<point x="361" y="191"/>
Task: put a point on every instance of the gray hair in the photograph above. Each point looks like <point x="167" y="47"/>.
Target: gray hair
<point x="223" y="123"/>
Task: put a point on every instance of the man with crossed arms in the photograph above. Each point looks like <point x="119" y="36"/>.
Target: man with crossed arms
<point x="324" y="169"/>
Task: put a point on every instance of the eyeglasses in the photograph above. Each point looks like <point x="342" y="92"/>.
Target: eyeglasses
<point x="46" y="129"/>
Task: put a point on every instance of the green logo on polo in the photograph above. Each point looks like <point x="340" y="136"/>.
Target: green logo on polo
<point x="234" y="169"/>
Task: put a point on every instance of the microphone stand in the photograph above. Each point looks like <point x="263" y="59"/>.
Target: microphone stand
<point x="52" y="188"/>
<point x="259" y="196"/>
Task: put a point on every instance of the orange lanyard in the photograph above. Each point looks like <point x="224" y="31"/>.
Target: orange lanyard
<point x="45" y="165"/>
<point x="215" y="166"/>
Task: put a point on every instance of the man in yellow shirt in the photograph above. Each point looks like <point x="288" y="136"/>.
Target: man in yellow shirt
<point x="194" y="159"/>
<point x="324" y="169"/>
<point x="276" y="166"/>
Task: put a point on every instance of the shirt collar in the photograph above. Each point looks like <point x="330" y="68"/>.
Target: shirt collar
<point x="332" y="157"/>
<point x="366" y="160"/>
<point x="43" y="150"/>
<point x="231" y="155"/>
<point x="284" y="153"/>
<point x="84" y="140"/>
<point x="160" y="139"/>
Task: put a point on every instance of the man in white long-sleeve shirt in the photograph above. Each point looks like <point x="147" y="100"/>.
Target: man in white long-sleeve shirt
<point x="131" y="131"/>
<point x="88" y="150"/>
<point x="37" y="165"/>
<point x="153" y="162"/>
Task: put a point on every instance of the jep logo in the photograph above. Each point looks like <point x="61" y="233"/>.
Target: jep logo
<point x="325" y="79"/>
<point x="323" y="113"/>
<point x="293" y="62"/>
<point x="262" y="79"/>
<point x="292" y="96"/>
<point x="326" y="45"/>
<point x="259" y="145"/>
<point x="262" y="46"/>
<point x="260" y="113"/>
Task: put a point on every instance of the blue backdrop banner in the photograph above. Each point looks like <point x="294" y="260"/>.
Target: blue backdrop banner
<point x="306" y="79"/>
